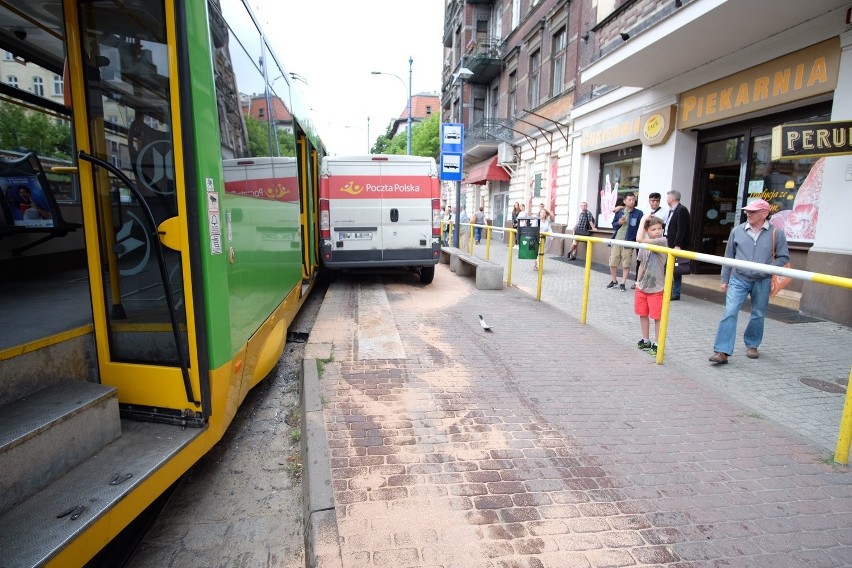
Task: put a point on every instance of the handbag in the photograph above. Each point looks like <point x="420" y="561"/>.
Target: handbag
<point x="778" y="282"/>
<point x="682" y="266"/>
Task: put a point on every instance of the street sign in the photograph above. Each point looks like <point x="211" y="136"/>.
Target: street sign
<point x="451" y="167"/>
<point x="452" y="150"/>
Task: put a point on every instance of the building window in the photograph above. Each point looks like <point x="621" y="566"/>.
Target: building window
<point x="619" y="176"/>
<point x="9" y="56"/>
<point x="38" y="86"/>
<point x="558" y="71"/>
<point x="481" y="32"/>
<point x="495" y="98"/>
<point x="428" y="109"/>
<point x="12" y="81"/>
<point x="513" y="92"/>
<point x="534" y="77"/>
<point x="260" y="112"/>
<point x="478" y="110"/>
<point x="58" y="86"/>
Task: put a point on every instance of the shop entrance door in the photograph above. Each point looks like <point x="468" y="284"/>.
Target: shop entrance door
<point x="718" y="193"/>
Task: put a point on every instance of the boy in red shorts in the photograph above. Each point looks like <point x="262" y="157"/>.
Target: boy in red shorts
<point x="648" y="299"/>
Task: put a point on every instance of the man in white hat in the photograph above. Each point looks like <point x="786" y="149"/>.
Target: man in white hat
<point x="751" y="241"/>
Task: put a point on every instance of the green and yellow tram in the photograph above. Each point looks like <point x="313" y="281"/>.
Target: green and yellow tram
<point x="158" y="235"/>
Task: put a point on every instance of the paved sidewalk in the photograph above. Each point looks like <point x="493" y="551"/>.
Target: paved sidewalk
<point x="547" y="443"/>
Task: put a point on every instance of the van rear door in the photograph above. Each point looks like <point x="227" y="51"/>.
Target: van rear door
<point x="379" y="210"/>
<point x="354" y="211"/>
<point x="407" y="210"/>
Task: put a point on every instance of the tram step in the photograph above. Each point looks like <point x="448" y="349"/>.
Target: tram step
<point x="47" y="433"/>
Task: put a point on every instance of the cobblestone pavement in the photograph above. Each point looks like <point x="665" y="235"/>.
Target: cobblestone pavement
<point x="547" y="443"/>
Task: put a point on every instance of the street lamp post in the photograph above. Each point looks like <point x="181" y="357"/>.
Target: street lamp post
<point x="410" y="63"/>
<point x="463" y="73"/>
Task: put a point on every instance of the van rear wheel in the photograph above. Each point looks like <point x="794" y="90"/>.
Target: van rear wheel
<point x="427" y="274"/>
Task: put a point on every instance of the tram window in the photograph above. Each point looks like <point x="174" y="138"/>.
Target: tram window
<point x="239" y="84"/>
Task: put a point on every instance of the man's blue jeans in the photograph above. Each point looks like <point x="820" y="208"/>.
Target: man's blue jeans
<point x="738" y="291"/>
<point x="676" y="283"/>
<point x="477" y="233"/>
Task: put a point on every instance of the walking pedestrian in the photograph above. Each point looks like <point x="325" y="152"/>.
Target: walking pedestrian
<point x="478" y="219"/>
<point x="755" y="241"/>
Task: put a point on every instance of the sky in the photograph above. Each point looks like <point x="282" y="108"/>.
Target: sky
<point x="336" y="44"/>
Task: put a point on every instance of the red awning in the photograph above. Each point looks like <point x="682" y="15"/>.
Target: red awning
<point x="488" y="170"/>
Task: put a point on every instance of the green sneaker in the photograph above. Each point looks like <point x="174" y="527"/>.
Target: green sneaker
<point x="644" y="344"/>
<point x="652" y="349"/>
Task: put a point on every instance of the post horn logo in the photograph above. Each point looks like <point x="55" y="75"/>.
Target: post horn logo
<point x="352" y="188"/>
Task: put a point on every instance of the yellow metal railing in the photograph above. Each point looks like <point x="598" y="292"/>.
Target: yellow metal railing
<point x="844" y="439"/>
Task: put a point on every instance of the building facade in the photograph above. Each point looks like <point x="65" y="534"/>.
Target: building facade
<point x="523" y="60"/>
<point x="685" y="94"/>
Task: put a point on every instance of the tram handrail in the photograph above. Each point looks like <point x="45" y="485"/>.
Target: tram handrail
<point x="161" y="259"/>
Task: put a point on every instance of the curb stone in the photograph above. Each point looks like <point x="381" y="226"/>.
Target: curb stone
<point x="322" y="539"/>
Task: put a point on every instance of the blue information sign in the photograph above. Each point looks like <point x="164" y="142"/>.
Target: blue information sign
<point x="452" y="150"/>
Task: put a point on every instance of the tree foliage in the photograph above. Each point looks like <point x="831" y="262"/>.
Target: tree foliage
<point x="425" y="140"/>
<point x="259" y="143"/>
<point x="25" y="131"/>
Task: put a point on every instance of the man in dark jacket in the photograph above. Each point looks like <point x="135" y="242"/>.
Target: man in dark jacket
<point x="676" y="232"/>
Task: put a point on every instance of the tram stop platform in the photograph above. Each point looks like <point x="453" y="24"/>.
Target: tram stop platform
<point x="543" y="442"/>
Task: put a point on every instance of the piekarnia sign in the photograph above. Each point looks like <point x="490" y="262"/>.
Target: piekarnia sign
<point x="810" y="140"/>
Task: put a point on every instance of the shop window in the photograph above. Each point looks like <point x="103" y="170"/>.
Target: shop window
<point x="619" y="176"/>
<point x="789" y="188"/>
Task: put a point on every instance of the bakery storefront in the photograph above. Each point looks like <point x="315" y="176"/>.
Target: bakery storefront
<point x="734" y="118"/>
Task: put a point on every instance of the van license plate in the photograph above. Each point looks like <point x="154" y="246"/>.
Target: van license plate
<point x="356" y="236"/>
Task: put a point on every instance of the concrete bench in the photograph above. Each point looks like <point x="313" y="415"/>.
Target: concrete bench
<point x="488" y="276"/>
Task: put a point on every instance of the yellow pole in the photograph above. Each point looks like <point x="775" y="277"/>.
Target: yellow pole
<point x="541" y="240"/>
<point x="587" y="281"/>
<point x="511" y="249"/>
<point x="470" y="240"/>
<point x="664" y="316"/>
<point x="844" y="436"/>
<point x="488" y="242"/>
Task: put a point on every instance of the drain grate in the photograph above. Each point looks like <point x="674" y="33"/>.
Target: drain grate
<point x="824" y="386"/>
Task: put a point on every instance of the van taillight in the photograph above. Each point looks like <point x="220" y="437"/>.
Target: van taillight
<point x="436" y="217"/>
<point x="324" y="222"/>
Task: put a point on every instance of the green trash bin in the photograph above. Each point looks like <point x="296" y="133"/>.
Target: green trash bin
<point x="528" y="234"/>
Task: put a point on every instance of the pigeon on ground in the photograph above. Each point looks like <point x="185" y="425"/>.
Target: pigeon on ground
<point x="484" y="325"/>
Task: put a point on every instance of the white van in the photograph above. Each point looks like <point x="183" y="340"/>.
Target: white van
<point x="380" y="211"/>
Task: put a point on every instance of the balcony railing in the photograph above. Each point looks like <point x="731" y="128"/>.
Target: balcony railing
<point x="492" y="130"/>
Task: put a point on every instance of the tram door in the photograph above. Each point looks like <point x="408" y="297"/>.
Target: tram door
<point x="126" y="126"/>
